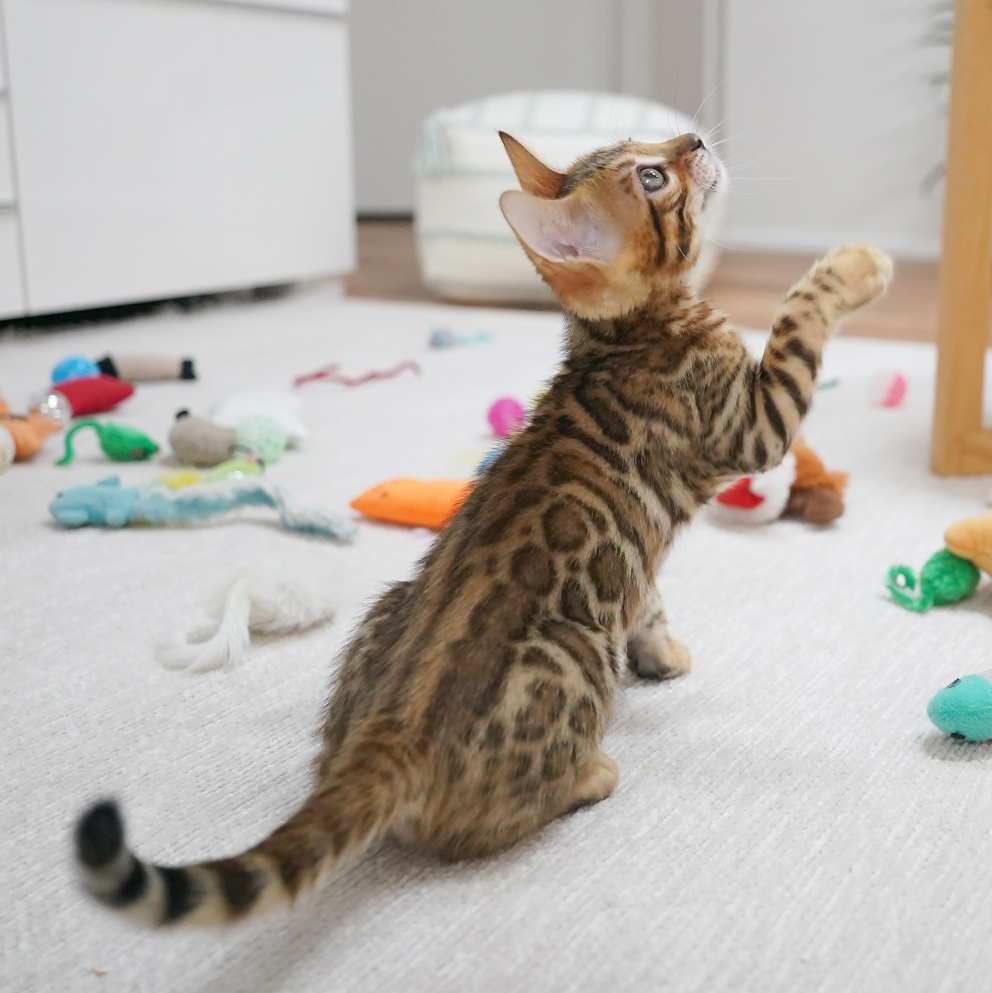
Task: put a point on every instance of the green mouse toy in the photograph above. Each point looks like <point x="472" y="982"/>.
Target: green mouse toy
<point x="119" y="442"/>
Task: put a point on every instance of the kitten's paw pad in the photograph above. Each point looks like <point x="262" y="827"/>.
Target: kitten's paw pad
<point x="648" y="660"/>
<point x="857" y="273"/>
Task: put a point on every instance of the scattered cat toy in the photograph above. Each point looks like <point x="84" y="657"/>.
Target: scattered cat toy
<point x="887" y="388"/>
<point x="236" y="468"/>
<point x="250" y="602"/>
<point x="108" y="504"/>
<point x="442" y="338"/>
<point x="263" y="423"/>
<point x="800" y="486"/>
<point x="118" y="441"/>
<point x="415" y="502"/>
<point x="330" y="374"/>
<point x="26" y="434"/>
<point x="963" y="709"/>
<point x="506" y="416"/>
<point x="134" y="368"/>
<point x="949" y="575"/>
<point x="81" y="397"/>
<point x="199" y="442"/>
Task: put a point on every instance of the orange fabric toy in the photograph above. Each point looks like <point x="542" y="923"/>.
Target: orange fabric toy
<point x="29" y="433"/>
<point x="816" y="495"/>
<point x="426" y="504"/>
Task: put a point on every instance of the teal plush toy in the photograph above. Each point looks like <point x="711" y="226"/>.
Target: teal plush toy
<point x="964" y="708"/>
<point x="108" y="504"/>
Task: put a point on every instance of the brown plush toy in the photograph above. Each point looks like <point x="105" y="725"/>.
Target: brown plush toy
<point x="816" y="495"/>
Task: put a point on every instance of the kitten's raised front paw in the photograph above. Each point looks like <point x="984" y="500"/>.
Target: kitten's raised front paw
<point x="859" y="273"/>
<point x="649" y="658"/>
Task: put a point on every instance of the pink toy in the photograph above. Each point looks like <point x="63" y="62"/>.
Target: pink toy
<point x="887" y="388"/>
<point x="506" y="416"/>
<point x="330" y="374"/>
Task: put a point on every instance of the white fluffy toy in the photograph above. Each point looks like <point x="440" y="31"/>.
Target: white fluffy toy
<point x="757" y="499"/>
<point x="250" y="601"/>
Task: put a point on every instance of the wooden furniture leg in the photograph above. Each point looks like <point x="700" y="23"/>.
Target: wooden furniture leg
<point x="960" y="445"/>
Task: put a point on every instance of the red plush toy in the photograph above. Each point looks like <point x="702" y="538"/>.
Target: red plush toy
<point x="94" y="395"/>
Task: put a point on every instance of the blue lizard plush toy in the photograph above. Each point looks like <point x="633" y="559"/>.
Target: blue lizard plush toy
<point x="108" y="503"/>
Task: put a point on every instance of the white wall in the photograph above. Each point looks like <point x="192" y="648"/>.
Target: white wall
<point x="837" y="124"/>
<point x="409" y="58"/>
<point x="833" y="118"/>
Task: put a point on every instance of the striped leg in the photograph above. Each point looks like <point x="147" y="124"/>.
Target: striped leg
<point x="652" y="653"/>
<point x="774" y="395"/>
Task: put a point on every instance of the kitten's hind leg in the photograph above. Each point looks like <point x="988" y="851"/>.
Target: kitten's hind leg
<point x="652" y="653"/>
<point x="598" y="783"/>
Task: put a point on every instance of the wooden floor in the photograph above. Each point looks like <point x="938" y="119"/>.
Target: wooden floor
<point x="748" y="285"/>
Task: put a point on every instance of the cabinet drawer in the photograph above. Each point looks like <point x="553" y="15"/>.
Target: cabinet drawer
<point x="229" y="166"/>
<point x="6" y="156"/>
<point x="11" y="294"/>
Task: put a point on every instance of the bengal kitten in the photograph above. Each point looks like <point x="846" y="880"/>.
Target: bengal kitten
<point x="472" y="699"/>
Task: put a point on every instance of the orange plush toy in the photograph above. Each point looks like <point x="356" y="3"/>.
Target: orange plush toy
<point x="29" y="433"/>
<point x="426" y="504"/>
<point x="816" y="495"/>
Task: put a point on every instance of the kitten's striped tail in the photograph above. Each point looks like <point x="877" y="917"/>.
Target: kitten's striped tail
<point x="335" y="822"/>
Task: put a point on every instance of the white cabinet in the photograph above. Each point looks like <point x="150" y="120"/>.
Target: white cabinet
<point x="169" y="147"/>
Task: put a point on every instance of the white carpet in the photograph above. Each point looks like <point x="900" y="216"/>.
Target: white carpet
<point x="787" y="818"/>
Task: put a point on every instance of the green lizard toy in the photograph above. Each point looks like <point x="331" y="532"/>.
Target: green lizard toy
<point x="120" y="443"/>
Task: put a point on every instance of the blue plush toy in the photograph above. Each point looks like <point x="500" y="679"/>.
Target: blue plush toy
<point x="75" y="367"/>
<point x="964" y="708"/>
<point x="109" y="504"/>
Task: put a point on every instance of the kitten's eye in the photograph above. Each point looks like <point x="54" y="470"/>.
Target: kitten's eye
<point x="652" y="179"/>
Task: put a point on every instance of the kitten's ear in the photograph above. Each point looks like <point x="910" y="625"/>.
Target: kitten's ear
<point x="570" y="248"/>
<point x="534" y="176"/>
<point x="561" y="231"/>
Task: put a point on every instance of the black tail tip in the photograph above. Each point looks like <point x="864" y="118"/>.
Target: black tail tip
<point x="99" y="835"/>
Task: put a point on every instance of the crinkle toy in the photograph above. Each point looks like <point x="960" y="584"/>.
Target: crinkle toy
<point x="109" y="504"/>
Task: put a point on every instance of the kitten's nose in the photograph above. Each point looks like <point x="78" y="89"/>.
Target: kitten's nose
<point x="693" y="142"/>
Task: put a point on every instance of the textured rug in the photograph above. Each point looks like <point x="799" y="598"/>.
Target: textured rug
<point x="787" y="818"/>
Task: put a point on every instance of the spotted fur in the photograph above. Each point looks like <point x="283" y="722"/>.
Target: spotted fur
<point x="471" y="701"/>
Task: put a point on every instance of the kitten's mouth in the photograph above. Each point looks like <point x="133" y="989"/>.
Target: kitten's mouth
<point x="709" y="173"/>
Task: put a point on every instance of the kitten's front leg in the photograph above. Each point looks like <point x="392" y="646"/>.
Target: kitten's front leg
<point x="777" y="392"/>
<point x="652" y="653"/>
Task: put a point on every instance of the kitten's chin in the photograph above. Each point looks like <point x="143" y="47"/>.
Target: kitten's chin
<point x="711" y="176"/>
